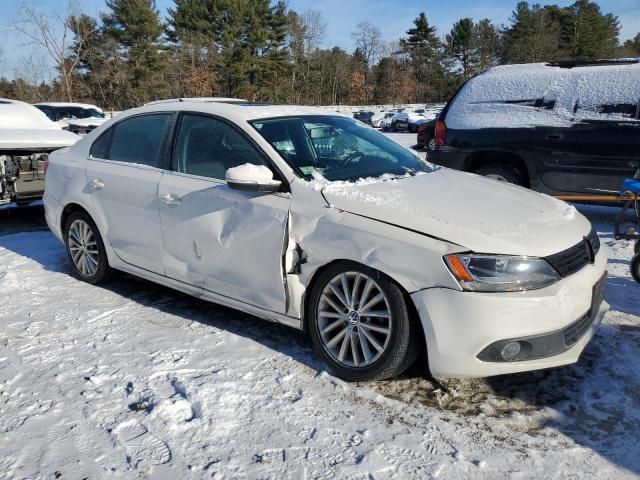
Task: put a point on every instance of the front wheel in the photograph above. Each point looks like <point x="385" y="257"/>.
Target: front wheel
<point x="85" y="248"/>
<point x="360" y="324"/>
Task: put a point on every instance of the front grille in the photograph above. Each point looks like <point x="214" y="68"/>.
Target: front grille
<point x="576" y="330"/>
<point x="572" y="259"/>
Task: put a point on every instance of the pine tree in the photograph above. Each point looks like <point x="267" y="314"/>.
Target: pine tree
<point x="587" y="34"/>
<point x="534" y="34"/>
<point x="426" y="54"/>
<point x="633" y="45"/>
<point x="136" y="25"/>
<point x="461" y="43"/>
<point x="488" y="43"/>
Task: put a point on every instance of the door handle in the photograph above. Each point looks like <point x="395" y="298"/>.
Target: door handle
<point x="554" y="136"/>
<point x="96" y="184"/>
<point x="170" y="199"/>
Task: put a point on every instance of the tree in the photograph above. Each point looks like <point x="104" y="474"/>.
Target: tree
<point x="136" y="25"/>
<point x="587" y="34"/>
<point x="462" y="44"/>
<point x="633" y="46"/>
<point x="488" y="44"/>
<point x="534" y="34"/>
<point x="426" y="56"/>
<point x="52" y="33"/>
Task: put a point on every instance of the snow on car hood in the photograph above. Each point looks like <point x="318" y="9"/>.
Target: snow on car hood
<point x="34" y="139"/>
<point x="483" y="215"/>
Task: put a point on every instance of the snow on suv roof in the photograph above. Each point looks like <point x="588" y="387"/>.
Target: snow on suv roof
<point x="526" y="95"/>
<point x="68" y="104"/>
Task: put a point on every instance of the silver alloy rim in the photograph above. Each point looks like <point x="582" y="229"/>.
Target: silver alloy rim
<point x="354" y="319"/>
<point x="83" y="248"/>
<point x="432" y="144"/>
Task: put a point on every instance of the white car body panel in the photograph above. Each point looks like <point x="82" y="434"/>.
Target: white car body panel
<point x="210" y="238"/>
<point x="125" y="198"/>
<point x="259" y="252"/>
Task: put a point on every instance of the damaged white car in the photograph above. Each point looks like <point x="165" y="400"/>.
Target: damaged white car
<point x="319" y="222"/>
<point x="27" y="137"/>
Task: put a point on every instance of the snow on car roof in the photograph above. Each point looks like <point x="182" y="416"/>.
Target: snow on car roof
<point x="16" y="115"/>
<point x="68" y="104"/>
<point x="504" y="96"/>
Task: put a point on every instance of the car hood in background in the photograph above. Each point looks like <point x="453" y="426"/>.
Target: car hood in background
<point x="482" y="215"/>
<point x="83" y="122"/>
<point x="35" y="139"/>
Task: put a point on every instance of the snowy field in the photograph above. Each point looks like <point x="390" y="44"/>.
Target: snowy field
<point x="133" y="380"/>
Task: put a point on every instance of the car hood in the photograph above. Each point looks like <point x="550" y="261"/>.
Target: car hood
<point x="83" y="122"/>
<point x="34" y="139"/>
<point x="479" y="214"/>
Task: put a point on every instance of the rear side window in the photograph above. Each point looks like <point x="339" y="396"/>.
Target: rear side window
<point x="138" y="139"/>
<point x="611" y="111"/>
<point x="100" y="148"/>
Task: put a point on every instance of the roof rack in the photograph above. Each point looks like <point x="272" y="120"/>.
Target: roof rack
<point x="199" y="99"/>
<point x="593" y="63"/>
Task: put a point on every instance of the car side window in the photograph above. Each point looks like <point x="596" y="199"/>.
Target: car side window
<point x="139" y="139"/>
<point x="208" y="147"/>
<point x="613" y="111"/>
<point x="100" y="148"/>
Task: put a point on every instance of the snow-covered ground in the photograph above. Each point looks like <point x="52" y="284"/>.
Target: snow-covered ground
<point x="133" y="380"/>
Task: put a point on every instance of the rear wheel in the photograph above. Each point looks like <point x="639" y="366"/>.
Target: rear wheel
<point x="85" y="248"/>
<point x="360" y="324"/>
<point x="501" y="172"/>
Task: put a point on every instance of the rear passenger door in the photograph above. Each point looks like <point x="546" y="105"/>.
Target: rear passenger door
<point x="123" y="171"/>
<point x="223" y="240"/>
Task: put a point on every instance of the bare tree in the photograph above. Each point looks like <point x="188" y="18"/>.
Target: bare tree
<point x="315" y="26"/>
<point x="54" y="33"/>
<point x="368" y="39"/>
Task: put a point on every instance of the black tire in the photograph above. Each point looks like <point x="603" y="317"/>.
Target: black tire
<point x="423" y="140"/>
<point x="636" y="247"/>
<point x="504" y="171"/>
<point x="403" y="345"/>
<point x="635" y="267"/>
<point x="102" y="271"/>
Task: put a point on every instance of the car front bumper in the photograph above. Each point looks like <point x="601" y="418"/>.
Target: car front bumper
<point x="460" y="326"/>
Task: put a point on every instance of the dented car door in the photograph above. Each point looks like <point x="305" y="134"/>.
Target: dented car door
<point x="223" y="240"/>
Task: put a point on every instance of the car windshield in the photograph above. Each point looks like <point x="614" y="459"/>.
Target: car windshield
<point x="338" y="148"/>
<point x="79" y="112"/>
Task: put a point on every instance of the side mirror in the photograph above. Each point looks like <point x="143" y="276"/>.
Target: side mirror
<point x="252" y="178"/>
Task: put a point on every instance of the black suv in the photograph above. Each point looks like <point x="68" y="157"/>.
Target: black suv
<point x="561" y="128"/>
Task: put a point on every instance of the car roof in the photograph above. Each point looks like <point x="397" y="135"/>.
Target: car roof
<point x="239" y="111"/>
<point x="15" y="114"/>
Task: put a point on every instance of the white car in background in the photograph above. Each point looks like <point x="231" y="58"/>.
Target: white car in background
<point x="79" y="118"/>
<point x="27" y="137"/>
<point x="319" y="222"/>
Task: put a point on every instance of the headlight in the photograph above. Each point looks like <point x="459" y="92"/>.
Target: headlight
<point x="500" y="273"/>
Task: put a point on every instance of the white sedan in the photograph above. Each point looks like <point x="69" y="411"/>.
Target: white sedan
<point x="319" y="222"/>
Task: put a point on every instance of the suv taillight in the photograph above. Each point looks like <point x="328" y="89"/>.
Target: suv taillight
<point x="46" y="165"/>
<point x="440" y="136"/>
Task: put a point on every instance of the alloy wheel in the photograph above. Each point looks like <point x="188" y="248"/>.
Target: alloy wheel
<point x="354" y="319"/>
<point x="83" y="248"/>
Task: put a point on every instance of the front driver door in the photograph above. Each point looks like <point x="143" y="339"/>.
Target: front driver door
<point x="123" y="172"/>
<point x="226" y="241"/>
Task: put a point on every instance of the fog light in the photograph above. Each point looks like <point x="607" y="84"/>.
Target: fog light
<point x="510" y="351"/>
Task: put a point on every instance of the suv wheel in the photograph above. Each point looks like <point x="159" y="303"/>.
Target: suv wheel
<point x="501" y="172"/>
<point x="360" y="324"/>
<point x="85" y="249"/>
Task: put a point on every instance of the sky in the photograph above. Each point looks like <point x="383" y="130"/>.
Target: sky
<point x="393" y="17"/>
